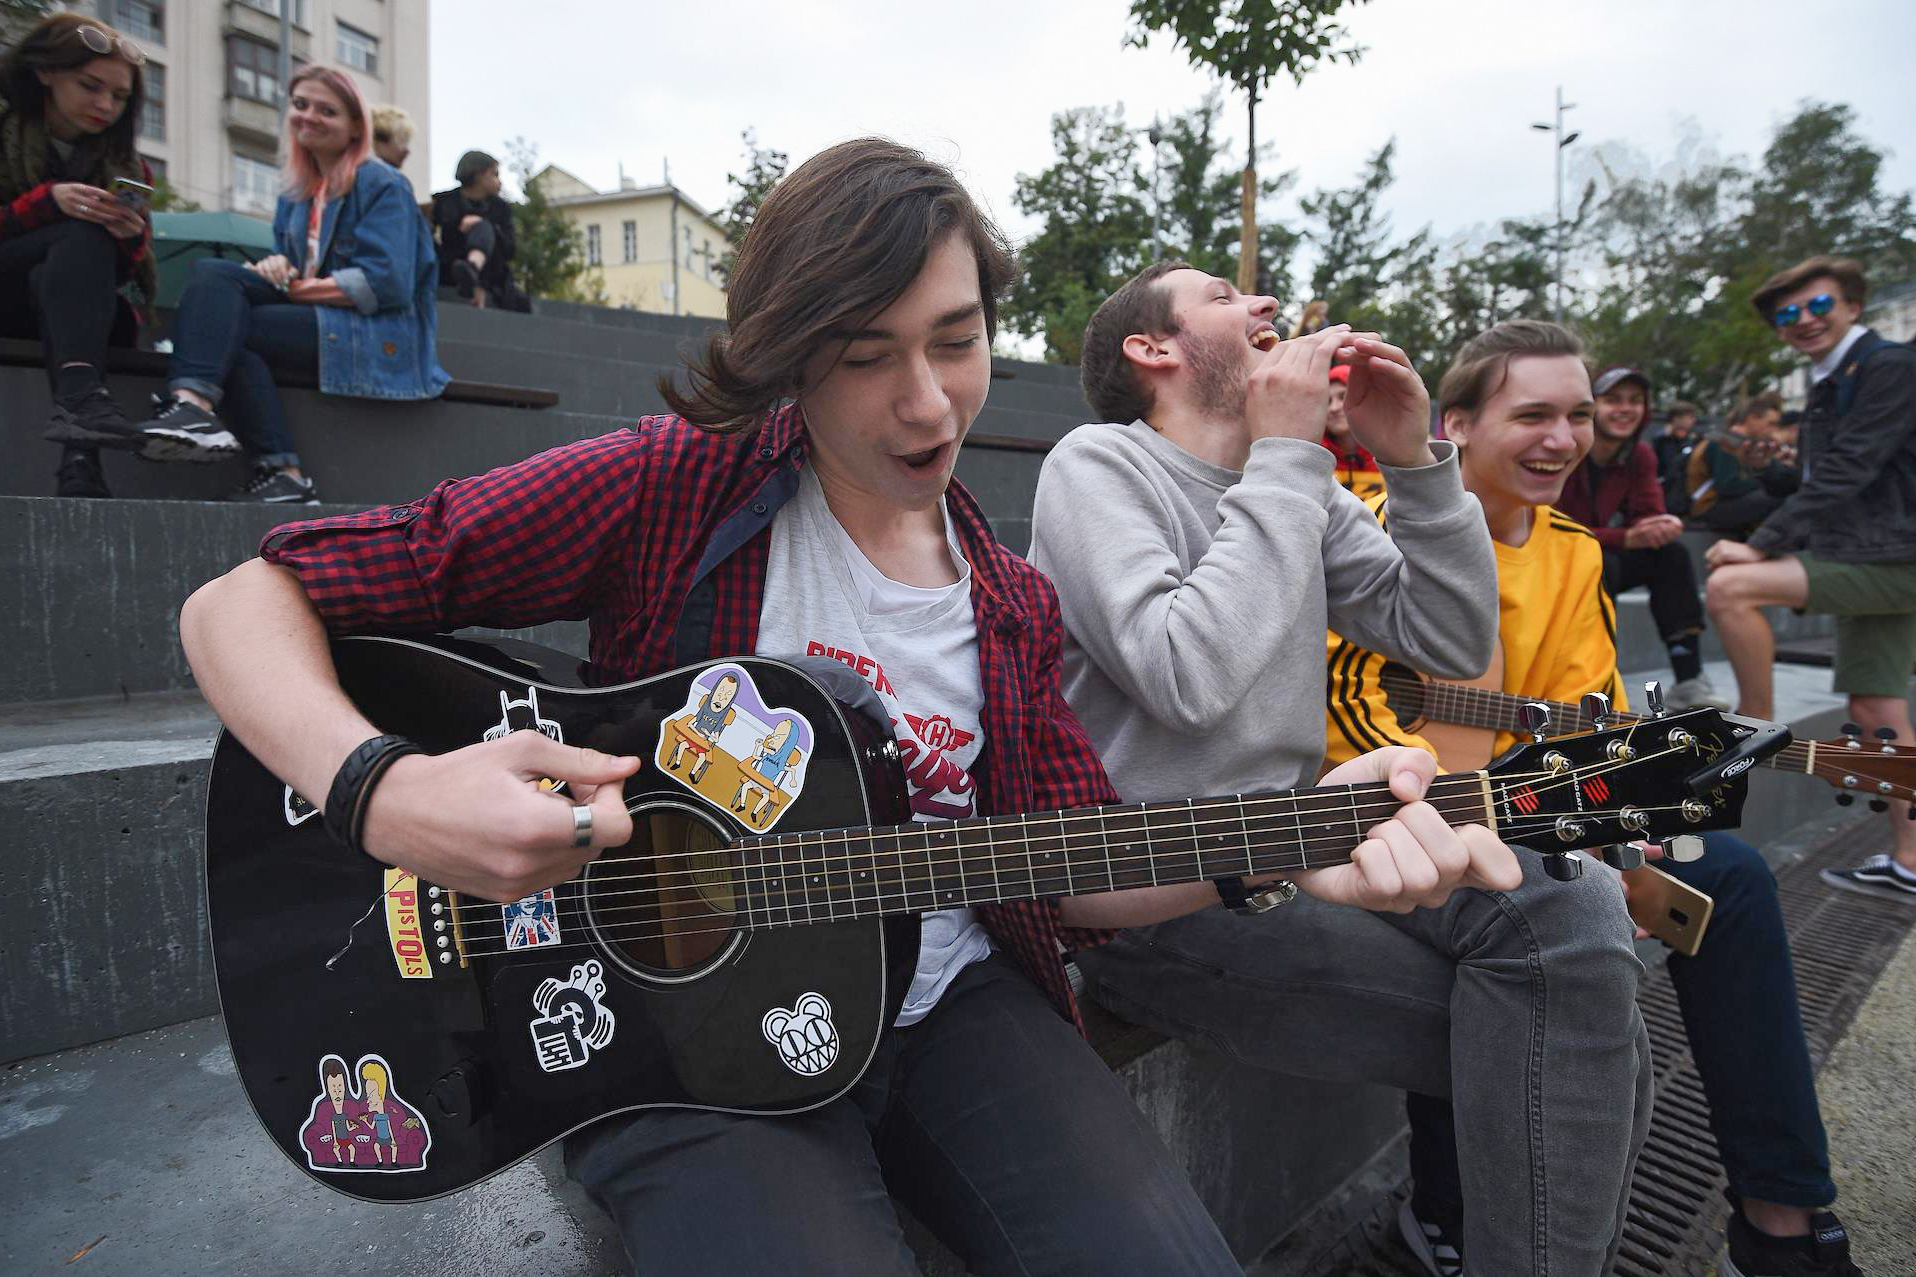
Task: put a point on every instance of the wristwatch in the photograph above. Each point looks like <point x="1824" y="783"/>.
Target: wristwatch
<point x="1231" y="891"/>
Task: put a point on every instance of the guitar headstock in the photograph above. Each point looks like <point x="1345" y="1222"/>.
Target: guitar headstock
<point x="1877" y="770"/>
<point x="1654" y="778"/>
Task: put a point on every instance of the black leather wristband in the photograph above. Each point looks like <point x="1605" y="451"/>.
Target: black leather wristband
<point x="353" y="785"/>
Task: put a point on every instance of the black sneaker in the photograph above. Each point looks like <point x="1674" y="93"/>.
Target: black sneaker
<point x="180" y="431"/>
<point x="91" y="420"/>
<point x="80" y="475"/>
<point x="465" y="278"/>
<point x="1877" y="876"/>
<point x="276" y="487"/>
<point x="1752" y="1253"/>
<point x="1436" y="1250"/>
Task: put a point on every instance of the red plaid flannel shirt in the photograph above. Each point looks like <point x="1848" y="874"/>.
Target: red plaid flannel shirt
<point x="612" y="530"/>
<point x="33" y="209"/>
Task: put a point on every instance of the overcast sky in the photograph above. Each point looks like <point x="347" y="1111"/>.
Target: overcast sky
<point x="1457" y="82"/>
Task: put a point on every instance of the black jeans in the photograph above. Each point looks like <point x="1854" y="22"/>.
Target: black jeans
<point x="1675" y="604"/>
<point x="234" y="329"/>
<point x="57" y="283"/>
<point x="1738" y="997"/>
<point x="990" y="1119"/>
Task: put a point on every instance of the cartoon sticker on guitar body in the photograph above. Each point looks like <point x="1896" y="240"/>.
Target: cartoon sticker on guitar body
<point x="805" y="1036"/>
<point x="729" y="747"/>
<point x="532" y="922"/>
<point x="573" y="1019"/>
<point x="358" y="1124"/>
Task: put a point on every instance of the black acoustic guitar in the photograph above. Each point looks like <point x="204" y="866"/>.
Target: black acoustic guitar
<point x="745" y="950"/>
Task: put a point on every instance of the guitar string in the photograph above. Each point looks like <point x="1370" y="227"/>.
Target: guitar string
<point x="1469" y="785"/>
<point x="640" y="931"/>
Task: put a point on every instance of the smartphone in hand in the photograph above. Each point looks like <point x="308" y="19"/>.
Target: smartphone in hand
<point x="137" y="196"/>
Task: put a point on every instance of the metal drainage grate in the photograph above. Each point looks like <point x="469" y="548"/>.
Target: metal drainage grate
<point x="1841" y="942"/>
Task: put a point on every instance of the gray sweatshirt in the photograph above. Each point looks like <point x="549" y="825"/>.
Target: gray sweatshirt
<point x="1196" y="599"/>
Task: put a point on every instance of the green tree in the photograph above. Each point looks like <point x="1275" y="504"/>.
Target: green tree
<point x="550" y="257"/>
<point x="167" y="199"/>
<point x="763" y="168"/>
<point x="1197" y="206"/>
<point x="1095" y="233"/>
<point x="1819" y="190"/>
<point x="1248" y="43"/>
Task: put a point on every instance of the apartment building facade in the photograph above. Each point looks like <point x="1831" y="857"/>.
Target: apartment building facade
<point x="210" y="125"/>
<point x="655" y="247"/>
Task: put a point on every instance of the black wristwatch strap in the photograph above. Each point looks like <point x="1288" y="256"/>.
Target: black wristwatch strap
<point x="353" y="785"/>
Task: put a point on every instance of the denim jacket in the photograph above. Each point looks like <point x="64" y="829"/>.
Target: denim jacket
<point x="373" y="244"/>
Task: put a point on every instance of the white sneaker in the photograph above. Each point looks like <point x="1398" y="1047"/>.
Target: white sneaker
<point x="1694" y="693"/>
<point x="1436" y="1251"/>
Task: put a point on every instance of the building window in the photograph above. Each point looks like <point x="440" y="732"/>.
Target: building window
<point x="272" y="6"/>
<point x="255" y="185"/>
<point x="631" y="241"/>
<point x="252" y="70"/>
<point x="153" y="109"/>
<point x="358" y="50"/>
<point x="141" y="19"/>
<point x="592" y="257"/>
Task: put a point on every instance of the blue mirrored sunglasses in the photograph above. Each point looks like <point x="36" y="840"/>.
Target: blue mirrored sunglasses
<point x="1819" y="306"/>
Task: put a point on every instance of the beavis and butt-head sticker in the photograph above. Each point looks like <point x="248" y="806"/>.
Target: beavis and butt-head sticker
<point x="358" y="1123"/>
<point x="732" y="749"/>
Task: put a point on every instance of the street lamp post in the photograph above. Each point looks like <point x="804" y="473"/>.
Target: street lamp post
<point x="1563" y="140"/>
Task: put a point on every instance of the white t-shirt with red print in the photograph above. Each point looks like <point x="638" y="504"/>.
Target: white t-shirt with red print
<point x="918" y="648"/>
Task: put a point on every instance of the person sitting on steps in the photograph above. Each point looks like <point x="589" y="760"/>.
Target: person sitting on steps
<point x="474" y="228"/>
<point x="347" y="299"/>
<point x="70" y="95"/>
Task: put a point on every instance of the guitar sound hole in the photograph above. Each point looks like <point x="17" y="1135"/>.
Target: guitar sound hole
<point x="662" y="904"/>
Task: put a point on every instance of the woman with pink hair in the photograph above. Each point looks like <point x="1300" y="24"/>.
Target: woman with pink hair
<point x="346" y="299"/>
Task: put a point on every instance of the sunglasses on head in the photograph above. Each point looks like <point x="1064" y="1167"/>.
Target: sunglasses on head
<point x="1819" y="306"/>
<point x="105" y="42"/>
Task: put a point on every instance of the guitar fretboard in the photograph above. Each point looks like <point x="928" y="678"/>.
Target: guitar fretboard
<point x="804" y="878"/>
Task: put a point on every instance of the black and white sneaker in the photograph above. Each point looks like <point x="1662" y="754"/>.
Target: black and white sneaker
<point x="276" y="487"/>
<point x="91" y="420"/>
<point x="180" y="431"/>
<point x="1436" y="1250"/>
<point x="1750" y="1253"/>
<point x="1877" y="876"/>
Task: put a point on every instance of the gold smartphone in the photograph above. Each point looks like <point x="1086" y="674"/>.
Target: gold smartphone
<point x="1668" y="908"/>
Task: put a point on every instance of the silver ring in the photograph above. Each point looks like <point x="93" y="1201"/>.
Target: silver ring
<point x="581" y="826"/>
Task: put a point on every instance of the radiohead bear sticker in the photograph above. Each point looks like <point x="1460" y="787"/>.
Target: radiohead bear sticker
<point x="805" y="1036"/>
<point x="731" y="749"/>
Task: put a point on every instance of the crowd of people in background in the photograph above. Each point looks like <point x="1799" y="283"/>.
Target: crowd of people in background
<point x="347" y="300"/>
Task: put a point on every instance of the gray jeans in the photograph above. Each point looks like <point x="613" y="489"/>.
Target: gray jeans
<point x="1520" y="1008"/>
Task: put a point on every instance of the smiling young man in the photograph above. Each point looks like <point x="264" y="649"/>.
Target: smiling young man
<point x="865" y="296"/>
<point x="1517" y="402"/>
<point x="1615" y="493"/>
<point x="1201" y="548"/>
<point x="1845" y="542"/>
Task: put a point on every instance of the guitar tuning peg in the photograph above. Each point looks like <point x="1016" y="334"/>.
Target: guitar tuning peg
<point x="1910" y="811"/>
<point x="1564" y="866"/>
<point x="1885" y="733"/>
<point x="1852" y="731"/>
<point x="1844" y="800"/>
<point x="1535" y="718"/>
<point x="1653" y="698"/>
<point x="1877" y="804"/>
<point x="1624" y="855"/>
<point x="1596" y="708"/>
<point x="1683" y="848"/>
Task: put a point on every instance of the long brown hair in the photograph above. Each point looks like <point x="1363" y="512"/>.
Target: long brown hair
<point x="54" y="45"/>
<point x="1479" y="369"/>
<point x="839" y="239"/>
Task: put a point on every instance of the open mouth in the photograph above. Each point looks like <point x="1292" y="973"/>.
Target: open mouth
<point x="926" y="460"/>
<point x="1546" y="469"/>
<point x="1264" y="338"/>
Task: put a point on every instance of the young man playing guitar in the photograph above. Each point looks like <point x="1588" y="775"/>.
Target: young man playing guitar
<point x="1200" y="546"/>
<point x="1517" y="402"/>
<point x="866" y="294"/>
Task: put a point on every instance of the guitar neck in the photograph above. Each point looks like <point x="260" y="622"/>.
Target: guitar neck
<point x="1499" y="711"/>
<point x="803" y="878"/>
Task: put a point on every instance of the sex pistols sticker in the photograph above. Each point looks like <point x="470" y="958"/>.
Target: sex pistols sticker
<point x="805" y="1036"/>
<point x="404" y="932"/>
<point x="358" y="1123"/>
<point x="729" y="747"/>
<point x="298" y="810"/>
<point x="573" y="1019"/>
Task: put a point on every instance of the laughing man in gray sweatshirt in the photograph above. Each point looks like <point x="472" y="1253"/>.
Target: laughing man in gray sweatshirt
<point x="1201" y="548"/>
